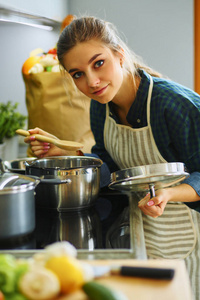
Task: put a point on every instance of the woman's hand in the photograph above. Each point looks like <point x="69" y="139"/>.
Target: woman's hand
<point x="155" y="206"/>
<point x="41" y="149"/>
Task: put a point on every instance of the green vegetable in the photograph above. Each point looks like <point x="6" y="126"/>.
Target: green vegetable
<point x="49" y="68"/>
<point x="10" y="272"/>
<point x="7" y="273"/>
<point x="7" y="279"/>
<point x="97" y="291"/>
<point x="8" y="260"/>
<point x="10" y="120"/>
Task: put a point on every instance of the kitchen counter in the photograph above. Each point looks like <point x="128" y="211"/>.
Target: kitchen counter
<point x="145" y="289"/>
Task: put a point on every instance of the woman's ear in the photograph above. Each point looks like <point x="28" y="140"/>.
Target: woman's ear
<point x="121" y="62"/>
<point x="122" y="56"/>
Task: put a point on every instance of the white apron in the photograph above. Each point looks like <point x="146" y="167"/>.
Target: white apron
<point x="131" y="147"/>
<point x="174" y="234"/>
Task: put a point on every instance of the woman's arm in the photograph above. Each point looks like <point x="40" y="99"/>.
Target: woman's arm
<point x="179" y="140"/>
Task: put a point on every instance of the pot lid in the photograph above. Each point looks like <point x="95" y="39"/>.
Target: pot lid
<point x="16" y="182"/>
<point x="142" y="178"/>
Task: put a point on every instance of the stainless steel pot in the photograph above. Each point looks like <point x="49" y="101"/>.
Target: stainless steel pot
<point x="17" y="165"/>
<point x="71" y="182"/>
<point x="17" y="205"/>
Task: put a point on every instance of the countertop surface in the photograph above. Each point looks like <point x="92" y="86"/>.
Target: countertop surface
<point x="144" y="289"/>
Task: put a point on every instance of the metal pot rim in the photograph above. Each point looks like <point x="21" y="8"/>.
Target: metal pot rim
<point x="139" y="178"/>
<point x="11" y="182"/>
<point x="17" y="189"/>
<point x="8" y="164"/>
<point x="33" y="163"/>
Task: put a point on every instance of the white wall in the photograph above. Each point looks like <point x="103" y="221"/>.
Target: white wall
<point x="160" y="31"/>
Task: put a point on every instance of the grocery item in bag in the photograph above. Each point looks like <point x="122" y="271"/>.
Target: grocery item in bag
<point x="63" y="114"/>
<point x="59" y="109"/>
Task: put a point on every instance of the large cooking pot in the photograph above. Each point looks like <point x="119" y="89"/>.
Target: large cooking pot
<point x="71" y="182"/>
<point x="17" y="205"/>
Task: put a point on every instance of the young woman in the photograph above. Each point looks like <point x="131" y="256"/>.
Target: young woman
<point x="137" y="116"/>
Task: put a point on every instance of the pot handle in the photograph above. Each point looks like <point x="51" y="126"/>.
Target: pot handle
<point x="29" y="163"/>
<point x="55" y="181"/>
<point x="3" y="169"/>
<point x="49" y="181"/>
<point x="152" y="190"/>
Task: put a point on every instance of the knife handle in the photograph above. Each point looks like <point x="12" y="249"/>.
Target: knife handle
<point x="146" y="272"/>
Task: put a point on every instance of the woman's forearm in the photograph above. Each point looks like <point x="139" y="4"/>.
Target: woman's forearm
<point x="182" y="193"/>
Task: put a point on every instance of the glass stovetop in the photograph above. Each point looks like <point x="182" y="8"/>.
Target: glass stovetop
<point x="102" y="226"/>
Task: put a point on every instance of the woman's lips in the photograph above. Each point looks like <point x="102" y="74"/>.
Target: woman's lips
<point x="99" y="92"/>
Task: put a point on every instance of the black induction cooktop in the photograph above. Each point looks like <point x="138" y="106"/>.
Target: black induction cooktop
<point x="105" y="225"/>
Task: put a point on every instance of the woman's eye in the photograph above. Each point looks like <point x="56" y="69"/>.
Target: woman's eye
<point x="99" y="63"/>
<point x="77" y="75"/>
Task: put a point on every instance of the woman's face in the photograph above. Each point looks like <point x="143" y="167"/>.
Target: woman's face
<point x="95" y="69"/>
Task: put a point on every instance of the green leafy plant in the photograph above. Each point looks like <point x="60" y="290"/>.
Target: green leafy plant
<point x="10" y="120"/>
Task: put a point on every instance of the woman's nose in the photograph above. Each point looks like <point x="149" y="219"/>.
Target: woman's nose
<point x="93" y="80"/>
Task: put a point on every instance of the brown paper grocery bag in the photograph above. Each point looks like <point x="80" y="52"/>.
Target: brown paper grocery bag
<point x="62" y="111"/>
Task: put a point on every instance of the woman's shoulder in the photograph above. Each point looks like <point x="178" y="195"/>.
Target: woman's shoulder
<point x="168" y="93"/>
<point x="165" y="87"/>
<point x="169" y="87"/>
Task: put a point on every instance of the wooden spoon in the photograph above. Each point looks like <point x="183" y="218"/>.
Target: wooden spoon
<point x="67" y="145"/>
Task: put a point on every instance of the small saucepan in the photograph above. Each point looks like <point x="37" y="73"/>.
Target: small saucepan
<point x="17" y="204"/>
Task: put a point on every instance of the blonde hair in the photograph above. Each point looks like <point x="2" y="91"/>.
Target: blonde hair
<point x="87" y="28"/>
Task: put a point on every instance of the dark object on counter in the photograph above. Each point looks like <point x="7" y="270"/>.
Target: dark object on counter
<point x="17" y="205"/>
<point x="143" y="272"/>
<point x="71" y="182"/>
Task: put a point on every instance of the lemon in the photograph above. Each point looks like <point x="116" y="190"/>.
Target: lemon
<point x="68" y="271"/>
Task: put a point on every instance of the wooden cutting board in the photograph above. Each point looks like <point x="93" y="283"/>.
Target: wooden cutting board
<point x="144" y="289"/>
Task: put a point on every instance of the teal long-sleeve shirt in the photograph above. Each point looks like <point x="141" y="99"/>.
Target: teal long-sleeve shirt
<point x="174" y="118"/>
